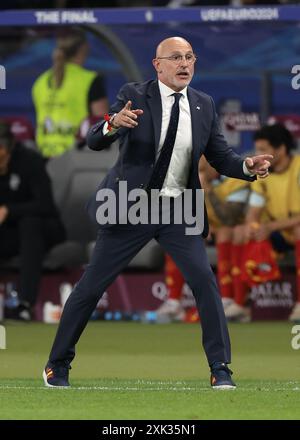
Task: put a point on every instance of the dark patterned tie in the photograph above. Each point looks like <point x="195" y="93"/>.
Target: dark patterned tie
<point x="163" y="162"/>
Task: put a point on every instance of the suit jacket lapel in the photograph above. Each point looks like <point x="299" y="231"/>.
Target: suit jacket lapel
<point x="196" y="116"/>
<point x="155" y="105"/>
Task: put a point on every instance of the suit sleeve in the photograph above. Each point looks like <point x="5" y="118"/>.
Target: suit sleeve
<point x="220" y="156"/>
<point x="96" y="140"/>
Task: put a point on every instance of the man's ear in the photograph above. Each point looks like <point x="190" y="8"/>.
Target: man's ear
<point x="156" y="65"/>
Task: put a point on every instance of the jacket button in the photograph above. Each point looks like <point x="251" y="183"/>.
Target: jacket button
<point x="141" y="185"/>
<point x="152" y="165"/>
<point x="117" y="179"/>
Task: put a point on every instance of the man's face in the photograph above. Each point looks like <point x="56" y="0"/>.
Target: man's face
<point x="262" y="146"/>
<point x="4" y="158"/>
<point x="176" y="74"/>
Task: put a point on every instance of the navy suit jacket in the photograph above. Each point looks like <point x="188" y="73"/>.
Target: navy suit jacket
<point x="138" y="145"/>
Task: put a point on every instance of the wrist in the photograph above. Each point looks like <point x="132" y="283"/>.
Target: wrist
<point x="110" y="121"/>
<point x="113" y="125"/>
<point x="247" y="171"/>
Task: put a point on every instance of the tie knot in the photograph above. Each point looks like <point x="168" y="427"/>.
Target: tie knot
<point x="177" y="96"/>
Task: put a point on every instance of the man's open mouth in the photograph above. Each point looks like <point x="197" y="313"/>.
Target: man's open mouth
<point x="183" y="75"/>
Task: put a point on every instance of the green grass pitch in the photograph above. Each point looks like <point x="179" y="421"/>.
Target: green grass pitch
<point x="139" y="371"/>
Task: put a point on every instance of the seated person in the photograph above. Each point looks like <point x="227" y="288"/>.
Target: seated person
<point x="29" y="221"/>
<point x="274" y="204"/>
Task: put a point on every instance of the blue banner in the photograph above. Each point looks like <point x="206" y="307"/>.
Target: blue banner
<point x="233" y="58"/>
<point x="148" y="15"/>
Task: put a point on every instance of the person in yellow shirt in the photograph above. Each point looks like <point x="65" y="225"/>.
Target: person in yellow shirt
<point x="65" y="95"/>
<point x="274" y="203"/>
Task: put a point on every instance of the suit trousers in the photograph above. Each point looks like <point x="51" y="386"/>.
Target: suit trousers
<point x="114" y="248"/>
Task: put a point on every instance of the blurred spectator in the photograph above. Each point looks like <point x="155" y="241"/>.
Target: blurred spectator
<point x="65" y="95"/>
<point x="226" y="201"/>
<point x="22" y="129"/>
<point x="29" y="221"/>
<point x="274" y="212"/>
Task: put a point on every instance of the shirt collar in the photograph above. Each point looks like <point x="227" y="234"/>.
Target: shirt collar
<point x="165" y="91"/>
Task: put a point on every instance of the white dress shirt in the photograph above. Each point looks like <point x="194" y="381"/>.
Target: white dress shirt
<point x="178" y="172"/>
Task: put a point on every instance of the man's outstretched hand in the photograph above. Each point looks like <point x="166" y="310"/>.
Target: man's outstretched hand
<point x="127" y="117"/>
<point x="259" y="165"/>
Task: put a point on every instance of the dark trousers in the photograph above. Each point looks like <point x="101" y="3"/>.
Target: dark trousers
<point x="114" y="248"/>
<point x="30" y="238"/>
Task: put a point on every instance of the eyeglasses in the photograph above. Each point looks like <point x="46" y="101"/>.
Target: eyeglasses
<point x="177" y="59"/>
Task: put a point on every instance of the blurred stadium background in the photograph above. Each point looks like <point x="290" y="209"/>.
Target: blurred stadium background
<point x="244" y="62"/>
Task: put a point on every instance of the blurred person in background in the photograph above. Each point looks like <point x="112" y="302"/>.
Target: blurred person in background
<point x="66" y="95"/>
<point x="226" y="202"/>
<point x="274" y="209"/>
<point x="29" y="221"/>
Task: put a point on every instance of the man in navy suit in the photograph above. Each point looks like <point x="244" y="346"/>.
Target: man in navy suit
<point x="163" y="127"/>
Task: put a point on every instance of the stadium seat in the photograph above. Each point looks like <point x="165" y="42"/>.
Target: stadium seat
<point x="75" y="175"/>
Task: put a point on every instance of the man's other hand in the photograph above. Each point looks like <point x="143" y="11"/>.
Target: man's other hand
<point x="259" y="165"/>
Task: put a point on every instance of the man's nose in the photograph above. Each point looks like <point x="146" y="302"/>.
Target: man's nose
<point x="184" y="62"/>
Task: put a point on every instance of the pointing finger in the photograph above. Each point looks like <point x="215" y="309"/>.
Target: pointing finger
<point x="266" y="156"/>
<point x="137" y="112"/>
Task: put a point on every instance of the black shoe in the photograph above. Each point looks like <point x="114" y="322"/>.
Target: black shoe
<point x="56" y="375"/>
<point x="220" y="378"/>
<point x="21" y="312"/>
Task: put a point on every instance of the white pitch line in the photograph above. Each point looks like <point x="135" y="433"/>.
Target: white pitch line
<point x="13" y="387"/>
<point x="103" y="388"/>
